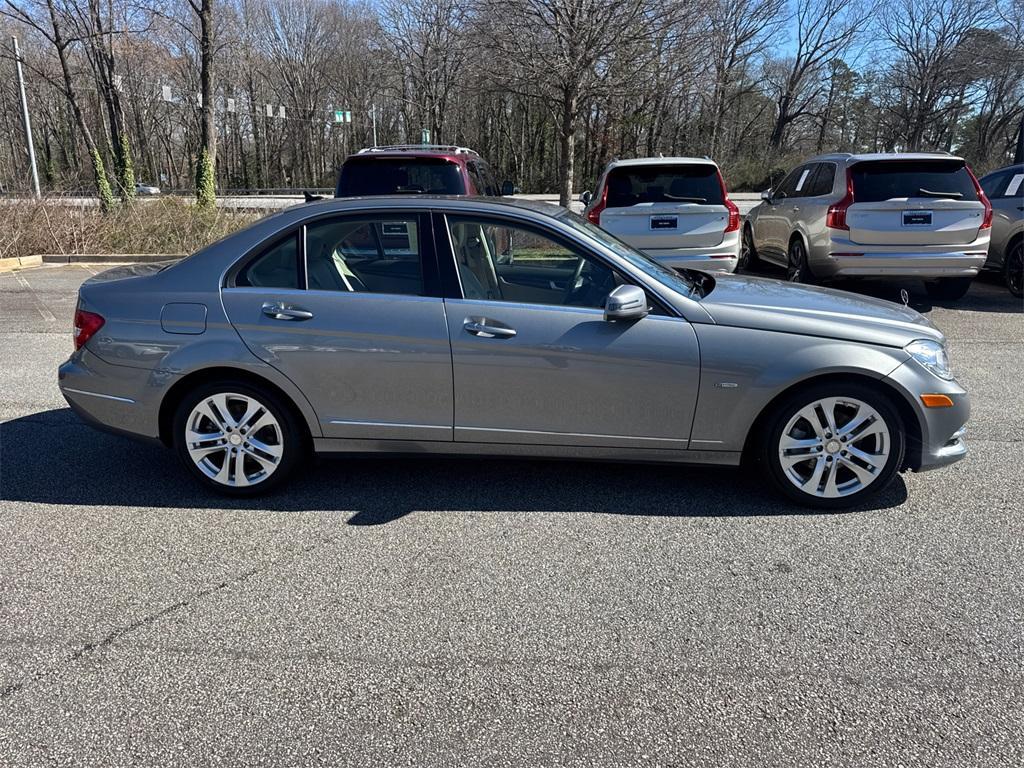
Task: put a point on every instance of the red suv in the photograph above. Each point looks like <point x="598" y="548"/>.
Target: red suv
<point x="418" y="169"/>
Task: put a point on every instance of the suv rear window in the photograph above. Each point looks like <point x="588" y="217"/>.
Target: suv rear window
<point x="889" y="179"/>
<point x="368" y="175"/>
<point x="664" y="184"/>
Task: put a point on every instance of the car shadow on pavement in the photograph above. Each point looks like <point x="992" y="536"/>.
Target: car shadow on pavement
<point x="52" y="457"/>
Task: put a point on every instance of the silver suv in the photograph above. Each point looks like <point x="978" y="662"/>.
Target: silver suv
<point x="879" y="215"/>
<point x="674" y="209"/>
<point x="1005" y="188"/>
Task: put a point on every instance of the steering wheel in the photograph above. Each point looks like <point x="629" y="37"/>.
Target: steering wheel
<point x="576" y="282"/>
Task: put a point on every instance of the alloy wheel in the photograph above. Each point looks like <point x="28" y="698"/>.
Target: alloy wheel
<point x="234" y="439"/>
<point x="834" y="447"/>
<point x="797" y="263"/>
<point x="1014" y="270"/>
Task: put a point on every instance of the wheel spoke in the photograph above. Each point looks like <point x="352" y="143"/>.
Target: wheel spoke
<point x="267" y="464"/>
<point x="239" y="462"/>
<point x="831" y="491"/>
<point x="219" y="404"/>
<point x="871" y="459"/>
<point x="268" y="450"/>
<point x="812" y="483"/>
<point x="198" y="454"/>
<point x="863" y="474"/>
<point x="798" y="444"/>
<point x="810" y="415"/>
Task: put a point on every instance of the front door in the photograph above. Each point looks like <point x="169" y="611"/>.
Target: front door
<point x="535" y="361"/>
<point x="347" y="307"/>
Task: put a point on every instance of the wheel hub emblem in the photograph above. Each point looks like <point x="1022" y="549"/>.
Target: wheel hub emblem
<point x="832" y="446"/>
<point x="235" y="439"/>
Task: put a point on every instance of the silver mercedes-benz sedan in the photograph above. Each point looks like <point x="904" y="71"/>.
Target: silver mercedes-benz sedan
<point x="478" y="326"/>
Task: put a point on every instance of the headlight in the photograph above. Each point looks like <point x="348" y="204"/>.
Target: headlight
<point x="932" y="356"/>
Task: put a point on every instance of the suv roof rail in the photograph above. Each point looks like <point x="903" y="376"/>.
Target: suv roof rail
<point x="453" y="149"/>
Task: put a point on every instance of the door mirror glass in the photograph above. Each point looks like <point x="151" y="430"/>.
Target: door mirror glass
<point x="767" y="195"/>
<point x="586" y="197"/>
<point x="627" y="302"/>
<point x="508" y="188"/>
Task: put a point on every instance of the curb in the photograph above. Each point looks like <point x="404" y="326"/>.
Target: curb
<point x="12" y="263"/>
<point x="105" y="258"/>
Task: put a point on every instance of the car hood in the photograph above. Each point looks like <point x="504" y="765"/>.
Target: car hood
<point x="774" y="305"/>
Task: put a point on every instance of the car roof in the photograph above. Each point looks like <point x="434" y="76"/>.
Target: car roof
<point x="869" y="156"/>
<point x="469" y="202"/>
<point x="1015" y="168"/>
<point x="641" y="161"/>
<point x="441" y="152"/>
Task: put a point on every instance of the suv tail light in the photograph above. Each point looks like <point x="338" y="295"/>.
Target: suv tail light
<point x="836" y="216"/>
<point x="86" y="324"/>
<point x="986" y="221"/>
<point x="734" y="211"/>
<point x="594" y="214"/>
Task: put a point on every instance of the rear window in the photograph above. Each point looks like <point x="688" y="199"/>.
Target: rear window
<point x="399" y="176"/>
<point x="664" y="184"/>
<point x="876" y="181"/>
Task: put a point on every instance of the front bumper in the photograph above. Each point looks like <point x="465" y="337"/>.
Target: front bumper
<point x="942" y="438"/>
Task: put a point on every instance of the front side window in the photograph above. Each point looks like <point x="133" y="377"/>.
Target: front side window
<point x="501" y="261"/>
<point x="277" y="267"/>
<point x="787" y="188"/>
<point x="366" y="254"/>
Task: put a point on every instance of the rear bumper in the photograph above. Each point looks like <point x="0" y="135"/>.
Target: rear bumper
<point x="116" y="398"/>
<point x="719" y="258"/>
<point x="842" y="258"/>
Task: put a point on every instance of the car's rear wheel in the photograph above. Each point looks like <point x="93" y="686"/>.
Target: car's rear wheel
<point x="748" y="252"/>
<point x="236" y="439"/>
<point x="1013" y="269"/>
<point x="948" y="288"/>
<point x="797" y="268"/>
<point x="833" y="445"/>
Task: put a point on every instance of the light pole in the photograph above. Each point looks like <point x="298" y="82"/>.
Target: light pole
<point x="25" y="120"/>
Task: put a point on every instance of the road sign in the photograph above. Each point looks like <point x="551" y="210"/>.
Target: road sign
<point x="342" y="116"/>
<point x="425" y="136"/>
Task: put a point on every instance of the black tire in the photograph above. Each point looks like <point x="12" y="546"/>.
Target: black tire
<point x="287" y="435"/>
<point x="768" y="449"/>
<point x="1013" y="269"/>
<point x="948" y="288"/>
<point x="797" y="268"/>
<point x="748" y="252"/>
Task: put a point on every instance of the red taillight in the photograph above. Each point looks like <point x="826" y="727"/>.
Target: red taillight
<point x="986" y="220"/>
<point x="86" y="324"/>
<point x="594" y="214"/>
<point x="836" y="216"/>
<point x="734" y="212"/>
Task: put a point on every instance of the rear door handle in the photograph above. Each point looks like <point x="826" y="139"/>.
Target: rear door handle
<point x="481" y="326"/>
<point x="280" y="311"/>
<point x="795" y="209"/>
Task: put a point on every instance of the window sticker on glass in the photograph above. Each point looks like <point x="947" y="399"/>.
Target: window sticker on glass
<point x="1014" y="184"/>
<point x="803" y="178"/>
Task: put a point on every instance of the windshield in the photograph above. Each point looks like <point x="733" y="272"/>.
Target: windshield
<point x="368" y="175"/>
<point x="677" y="281"/>
<point x="667" y="183"/>
<point x="895" y="179"/>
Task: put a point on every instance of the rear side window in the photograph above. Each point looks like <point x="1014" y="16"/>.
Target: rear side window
<point x="277" y="267"/>
<point x="822" y="180"/>
<point x="894" y="179"/>
<point x="664" y="184"/>
<point x="369" y="175"/>
<point x="378" y="254"/>
<point x="1004" y="184"/>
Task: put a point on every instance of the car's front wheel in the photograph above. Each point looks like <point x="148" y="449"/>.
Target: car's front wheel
<point x="236" y="439"/>
<point x="748" y="251"/>
<point x="1013" y="269"/>
<point x="833" y="445"/>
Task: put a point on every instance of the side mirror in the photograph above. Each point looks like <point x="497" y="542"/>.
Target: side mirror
<point x="586" y="197"/>
<point x="627" y="302"/>
<point x="508" y="189"/>
<point x="767" y="195"/>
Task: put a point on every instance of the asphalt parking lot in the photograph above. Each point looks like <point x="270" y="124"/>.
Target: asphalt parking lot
<point x="460" y="612"/>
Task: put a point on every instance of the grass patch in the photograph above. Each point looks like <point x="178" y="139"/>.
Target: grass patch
<point x="163" y="225"/>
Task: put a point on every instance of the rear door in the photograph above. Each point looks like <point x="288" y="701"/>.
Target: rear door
<point x="914" y="202"/>
<point x="772" y="218"/>
<point x="348" y="307"/>
<point x="663" y="206"/>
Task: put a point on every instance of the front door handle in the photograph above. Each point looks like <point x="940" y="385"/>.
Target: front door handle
<point x="281" y="311"/>
<point x="795" y="209"/>
<point x="487" y="329"/>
